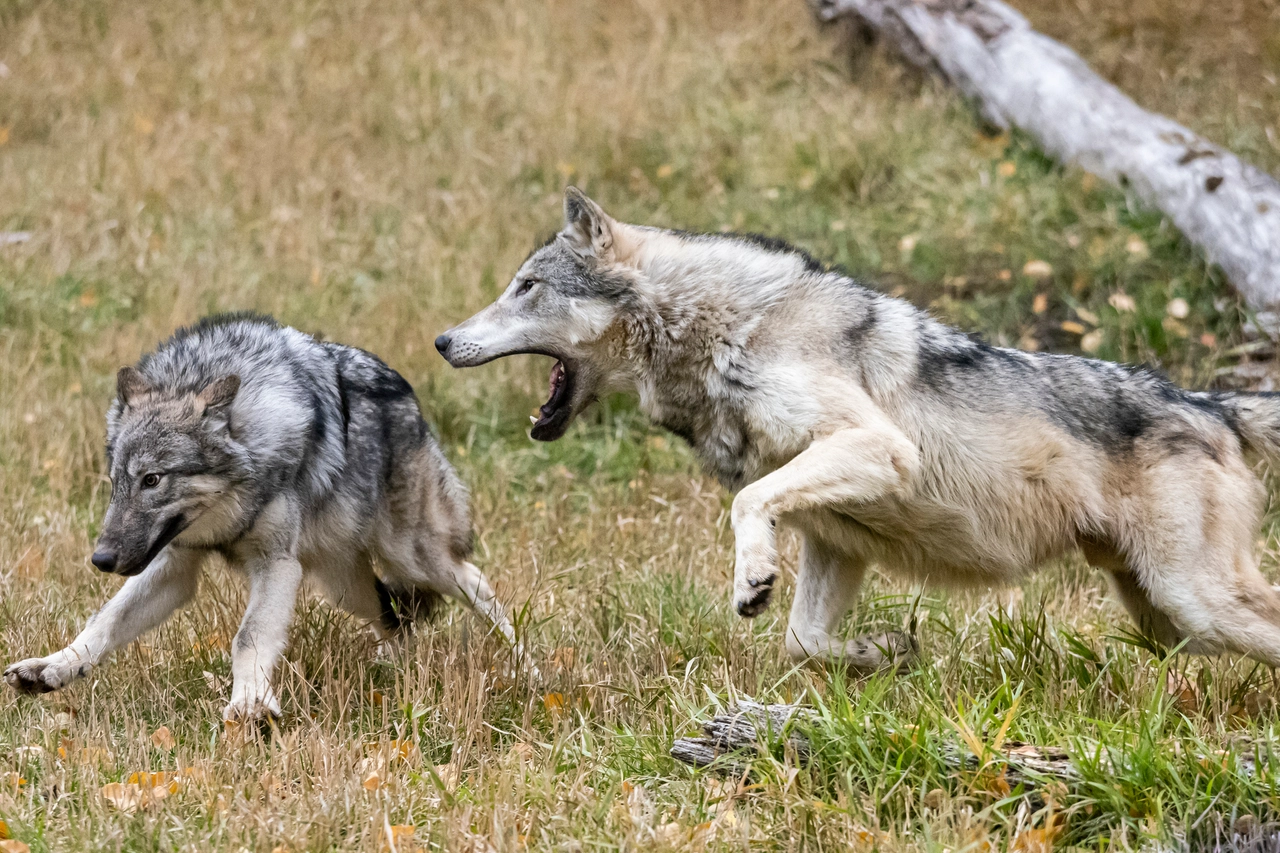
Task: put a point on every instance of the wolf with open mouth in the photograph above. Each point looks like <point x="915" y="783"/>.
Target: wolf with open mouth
<point x="886" y="438"/>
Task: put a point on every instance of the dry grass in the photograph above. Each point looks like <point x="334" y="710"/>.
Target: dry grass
<point x="375" y="171"/>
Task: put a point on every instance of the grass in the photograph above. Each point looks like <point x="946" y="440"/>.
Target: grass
<point x="374" y="172"/>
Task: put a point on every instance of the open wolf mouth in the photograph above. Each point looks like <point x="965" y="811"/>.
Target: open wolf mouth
<point x="553" y="417"/>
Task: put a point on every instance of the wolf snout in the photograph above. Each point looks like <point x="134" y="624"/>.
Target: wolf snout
<point x="442" y="344"/>
<point x="104" y="559"/>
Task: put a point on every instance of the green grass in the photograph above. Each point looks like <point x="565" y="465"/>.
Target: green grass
<point x="374" y="173"/>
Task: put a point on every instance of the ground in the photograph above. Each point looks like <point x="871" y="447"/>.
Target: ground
<point x="374" y="172"/>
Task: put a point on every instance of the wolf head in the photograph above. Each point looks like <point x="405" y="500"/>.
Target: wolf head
<point x="565" y="302"/>
<point x="171" y="458"/>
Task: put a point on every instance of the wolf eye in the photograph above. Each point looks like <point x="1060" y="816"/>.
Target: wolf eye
<point x="526" y="286"/>
<point x="150" y="481"/>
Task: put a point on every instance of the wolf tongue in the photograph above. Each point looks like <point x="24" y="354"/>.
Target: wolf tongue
<point x="557" y="378"/>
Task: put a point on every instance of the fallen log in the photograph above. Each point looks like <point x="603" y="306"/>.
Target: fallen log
<point x="732" y="740"/>
<point x="1021" y="78"/>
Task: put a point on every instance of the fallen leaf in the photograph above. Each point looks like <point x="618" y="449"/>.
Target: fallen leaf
<point x="935" y="799"/>
<point x="448" y="775"/>
<point x="399" y="837"/>
<point x="1035" y="840"/>
<point x="555" y="703"/>
<point x="565" y="656"/>
<point x="163" y="738"/>
<point x="129" y="798"/>
<point x="4" y="830"/>
<point x="1037" y="269"/>
<point x="1122" y="302"/>
<point x="1073" y="327"/>
<point x="869" y="836"/>
<point x="372" y="782"/>
<point x="523" y="750"/>
<point x="12" y="845"/>
<point x="1185" y="695"/>
<point x="404" y="750"/>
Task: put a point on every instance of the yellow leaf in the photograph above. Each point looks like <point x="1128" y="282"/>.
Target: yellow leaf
<point x="404" y="750"/>
<point x="14" y="846"/>
<point x="1040" y="304"/>
<point x="1035" y="840"/>
<point x="1073" y="327"/>
<point x="448" y="775"/>
<point x="12" y="781"/>
<point x="564" y="657"/>
<point x="372" y="782"/>
<point x="163" y="738"/>
<point x="555" y="703"/>
<point x="4" y="830"/>
<point x="127" y="798"/>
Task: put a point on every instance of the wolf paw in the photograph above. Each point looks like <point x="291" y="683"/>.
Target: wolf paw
<point x="891" y="650"/>
<point x="250" y="709"/>
<point x="41" y="675"/>
<point x="754" y="598"/>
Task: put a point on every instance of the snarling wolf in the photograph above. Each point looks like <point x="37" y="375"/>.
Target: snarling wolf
<point x="887" y="438"/>
<point x="289" y="457"/>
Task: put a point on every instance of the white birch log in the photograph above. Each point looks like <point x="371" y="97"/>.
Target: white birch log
<point x="1021" y="78"/>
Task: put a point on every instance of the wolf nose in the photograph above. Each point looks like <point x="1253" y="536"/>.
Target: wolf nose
<point x="104" y="560"/>
<point x="442" y="343"/>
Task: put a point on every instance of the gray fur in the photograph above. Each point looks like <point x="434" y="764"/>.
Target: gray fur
<point x="888" y="438"/>
<point x="291" y="458"/>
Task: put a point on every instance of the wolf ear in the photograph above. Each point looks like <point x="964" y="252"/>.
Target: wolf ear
<point x="588" y="230"/>
<point x="131" y="386"/>
<point x="218" y="394"/>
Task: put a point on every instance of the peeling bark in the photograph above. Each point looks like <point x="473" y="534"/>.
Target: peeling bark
<point x="1021" y="78"/>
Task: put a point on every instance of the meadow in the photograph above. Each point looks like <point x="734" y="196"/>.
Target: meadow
<point x="373" y="173"/>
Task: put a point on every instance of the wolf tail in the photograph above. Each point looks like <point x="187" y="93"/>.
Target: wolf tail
<point x="1256" y="420"/>
<point x="403" y="606"/>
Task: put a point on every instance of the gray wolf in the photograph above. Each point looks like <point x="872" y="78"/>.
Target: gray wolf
<point x="886" y="438"/>
<point x="292" y="459"/>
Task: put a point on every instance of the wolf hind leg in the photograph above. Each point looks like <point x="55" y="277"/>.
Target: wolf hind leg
<point x="826" y="589"/>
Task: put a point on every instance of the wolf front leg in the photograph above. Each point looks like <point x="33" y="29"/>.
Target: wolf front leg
<point x="144" y="602"/>
<point x="827" y="588"/>
<point x="264" y="631"/>
<point x="849" y="466"/>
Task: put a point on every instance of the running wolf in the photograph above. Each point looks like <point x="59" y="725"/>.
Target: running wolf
<point x="289" y="457"/>
<point x="887" y="438"/>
